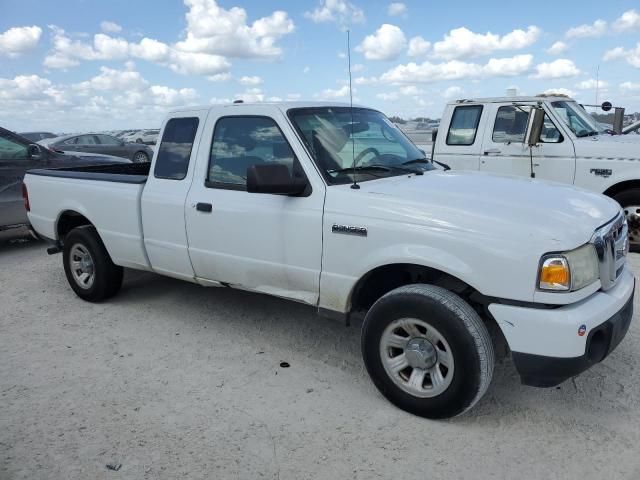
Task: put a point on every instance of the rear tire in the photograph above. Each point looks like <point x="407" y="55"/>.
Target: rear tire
<point x="447" y="350"/>
<point x="89" y="269"/>
<point x="630" y="202"/>
<point x="140" y="157"/>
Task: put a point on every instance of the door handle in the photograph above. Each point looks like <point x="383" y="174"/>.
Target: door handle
<point x="492" y="151"/>
<point x="204" y="207"/>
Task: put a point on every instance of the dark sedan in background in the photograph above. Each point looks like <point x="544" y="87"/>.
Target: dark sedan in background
<point x="100" y="143"/>
<point x="19" y="154"/>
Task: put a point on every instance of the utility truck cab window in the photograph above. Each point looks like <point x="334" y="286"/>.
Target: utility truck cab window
<point x="511" y="126"/>
<point x="576" y="118"/>
<point x="464" y="125"/>
<point x="241" y="142"/>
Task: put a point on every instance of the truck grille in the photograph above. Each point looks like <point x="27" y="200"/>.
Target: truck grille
<point x="611" y="242"/>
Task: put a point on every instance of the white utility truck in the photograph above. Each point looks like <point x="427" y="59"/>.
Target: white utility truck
<point x="332" y="206"/>
<point x="566" y="145"/>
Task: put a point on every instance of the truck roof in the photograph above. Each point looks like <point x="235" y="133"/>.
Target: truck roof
<point x="536" y="98"/>
<point x="279" y="105"/>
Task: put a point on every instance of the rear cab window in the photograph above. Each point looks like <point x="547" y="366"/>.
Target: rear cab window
<point x="172" y="161"/>
<point x="464" y="125"/>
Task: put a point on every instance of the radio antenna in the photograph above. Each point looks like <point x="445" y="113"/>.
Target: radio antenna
<point x="353" y="142"/>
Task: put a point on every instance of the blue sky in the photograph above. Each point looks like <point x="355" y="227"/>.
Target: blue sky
<point x="83" y="64"/>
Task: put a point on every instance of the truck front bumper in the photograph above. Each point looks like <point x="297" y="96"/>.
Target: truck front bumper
<point x="551" y="345"/>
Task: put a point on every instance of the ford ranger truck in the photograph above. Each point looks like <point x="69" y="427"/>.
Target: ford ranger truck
<point x="334" y="207"/>
<point x="490" y="135"/>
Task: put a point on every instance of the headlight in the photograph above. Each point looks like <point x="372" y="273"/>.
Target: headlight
<point x="569" y="271"/>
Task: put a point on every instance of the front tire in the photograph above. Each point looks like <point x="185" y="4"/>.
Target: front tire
<point x="427" y="351"/>
<point x="629" y="200"/>
<point x="89" y="269"/>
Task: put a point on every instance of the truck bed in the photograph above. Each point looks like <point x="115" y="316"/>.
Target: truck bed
<point x="117" y="172"/>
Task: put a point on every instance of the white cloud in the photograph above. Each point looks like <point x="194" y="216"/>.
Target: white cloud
<point x="418" y="47"/>
<point x="330" y="93"/>
<point x="365" y="80"/>
<point x="427" y="72"/>
<point x="557" y="48"/>
<point x="339" y="11"/>
<point x="110" y="27"/>
<point x="452" y="92"/>
<point x="559" y="91"/>
<point x="396" y="8"/>
<point x="385" y="44"/>
<point x="151" y="50"/>
<point x="306" y="70"/>
<point x="632" y="56"/>
<point x="67" y="53"/>
<point x="358" y="67"/>
<point x="410" y="91"/>
<point x="247" y="80"/>
<point x="24" y="87"/>
<point x="192" y="63"/>
<point x="220" y="77"/>
<point x="630" y="20"/>
<point x="596" y="29"/>
<point x="18" y="40"/>
<point x="251" y="95"/>
<point x="112" y="79"/>
<point x="463" y="43"/>
<point x="592" y="84"/>
<point x="561" y="68"/>
<point x="214" y="30"/>
<point x="388" y="97"/>
<point x="166" y="96"/>
<point x="629" y="86"/>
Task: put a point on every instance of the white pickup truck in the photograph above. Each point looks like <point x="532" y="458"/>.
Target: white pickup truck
<point x="335" y="208"/>
<point x="491" y="135"/>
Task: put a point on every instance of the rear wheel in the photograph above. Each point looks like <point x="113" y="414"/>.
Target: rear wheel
<point x="630" y="202"/>
<point x="89" y="269"/>
<point x="427" y="351"/>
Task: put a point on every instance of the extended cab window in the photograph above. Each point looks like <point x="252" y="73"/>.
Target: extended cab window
<point x="464" y="125"/>
<point x="239" y="143"/>
<point x="175" y="149"/>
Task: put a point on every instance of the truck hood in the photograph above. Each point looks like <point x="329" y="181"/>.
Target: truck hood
<point x="608" y="146"/>
<point x="547" y="215"/>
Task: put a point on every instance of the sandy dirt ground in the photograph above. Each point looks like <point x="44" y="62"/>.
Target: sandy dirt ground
<point x="172" y="380"/>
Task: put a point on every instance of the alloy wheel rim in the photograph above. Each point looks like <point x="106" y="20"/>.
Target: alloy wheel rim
<point x="417" y="357"/>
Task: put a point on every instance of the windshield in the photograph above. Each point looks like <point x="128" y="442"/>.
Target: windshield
<point x="373" y="143"/>
<point x="576" y="118"/>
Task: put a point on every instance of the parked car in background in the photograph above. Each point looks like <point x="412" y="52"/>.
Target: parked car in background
<point x="123" y="133"/>
<point x="19" y="154"/>
<point x="102" y="144"/>
<point x="147" y="137"/>
<point x="37" y="136"/>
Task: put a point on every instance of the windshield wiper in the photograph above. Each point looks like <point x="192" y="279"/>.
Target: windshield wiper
<point x="425" y="160"/>
<point x="587" y="134"/>
<point x="379" y="168"/>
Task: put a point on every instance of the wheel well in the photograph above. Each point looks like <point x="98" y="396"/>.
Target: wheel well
<point x="382" y="280"/>
<point x="68" y="221"/>
<point x="621" y="187"/>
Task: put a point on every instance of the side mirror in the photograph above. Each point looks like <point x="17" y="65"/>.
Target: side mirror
<point x="273" y="178"/>
<point x="535" y="127"/>
<point x="618" y="120"/>
<point x="35" y="151"/>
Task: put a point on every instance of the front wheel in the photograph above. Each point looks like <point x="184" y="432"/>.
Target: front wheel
<point x="89" y="269"/>
<point x="427" y="351"/>
<point x="629" y="200"/>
